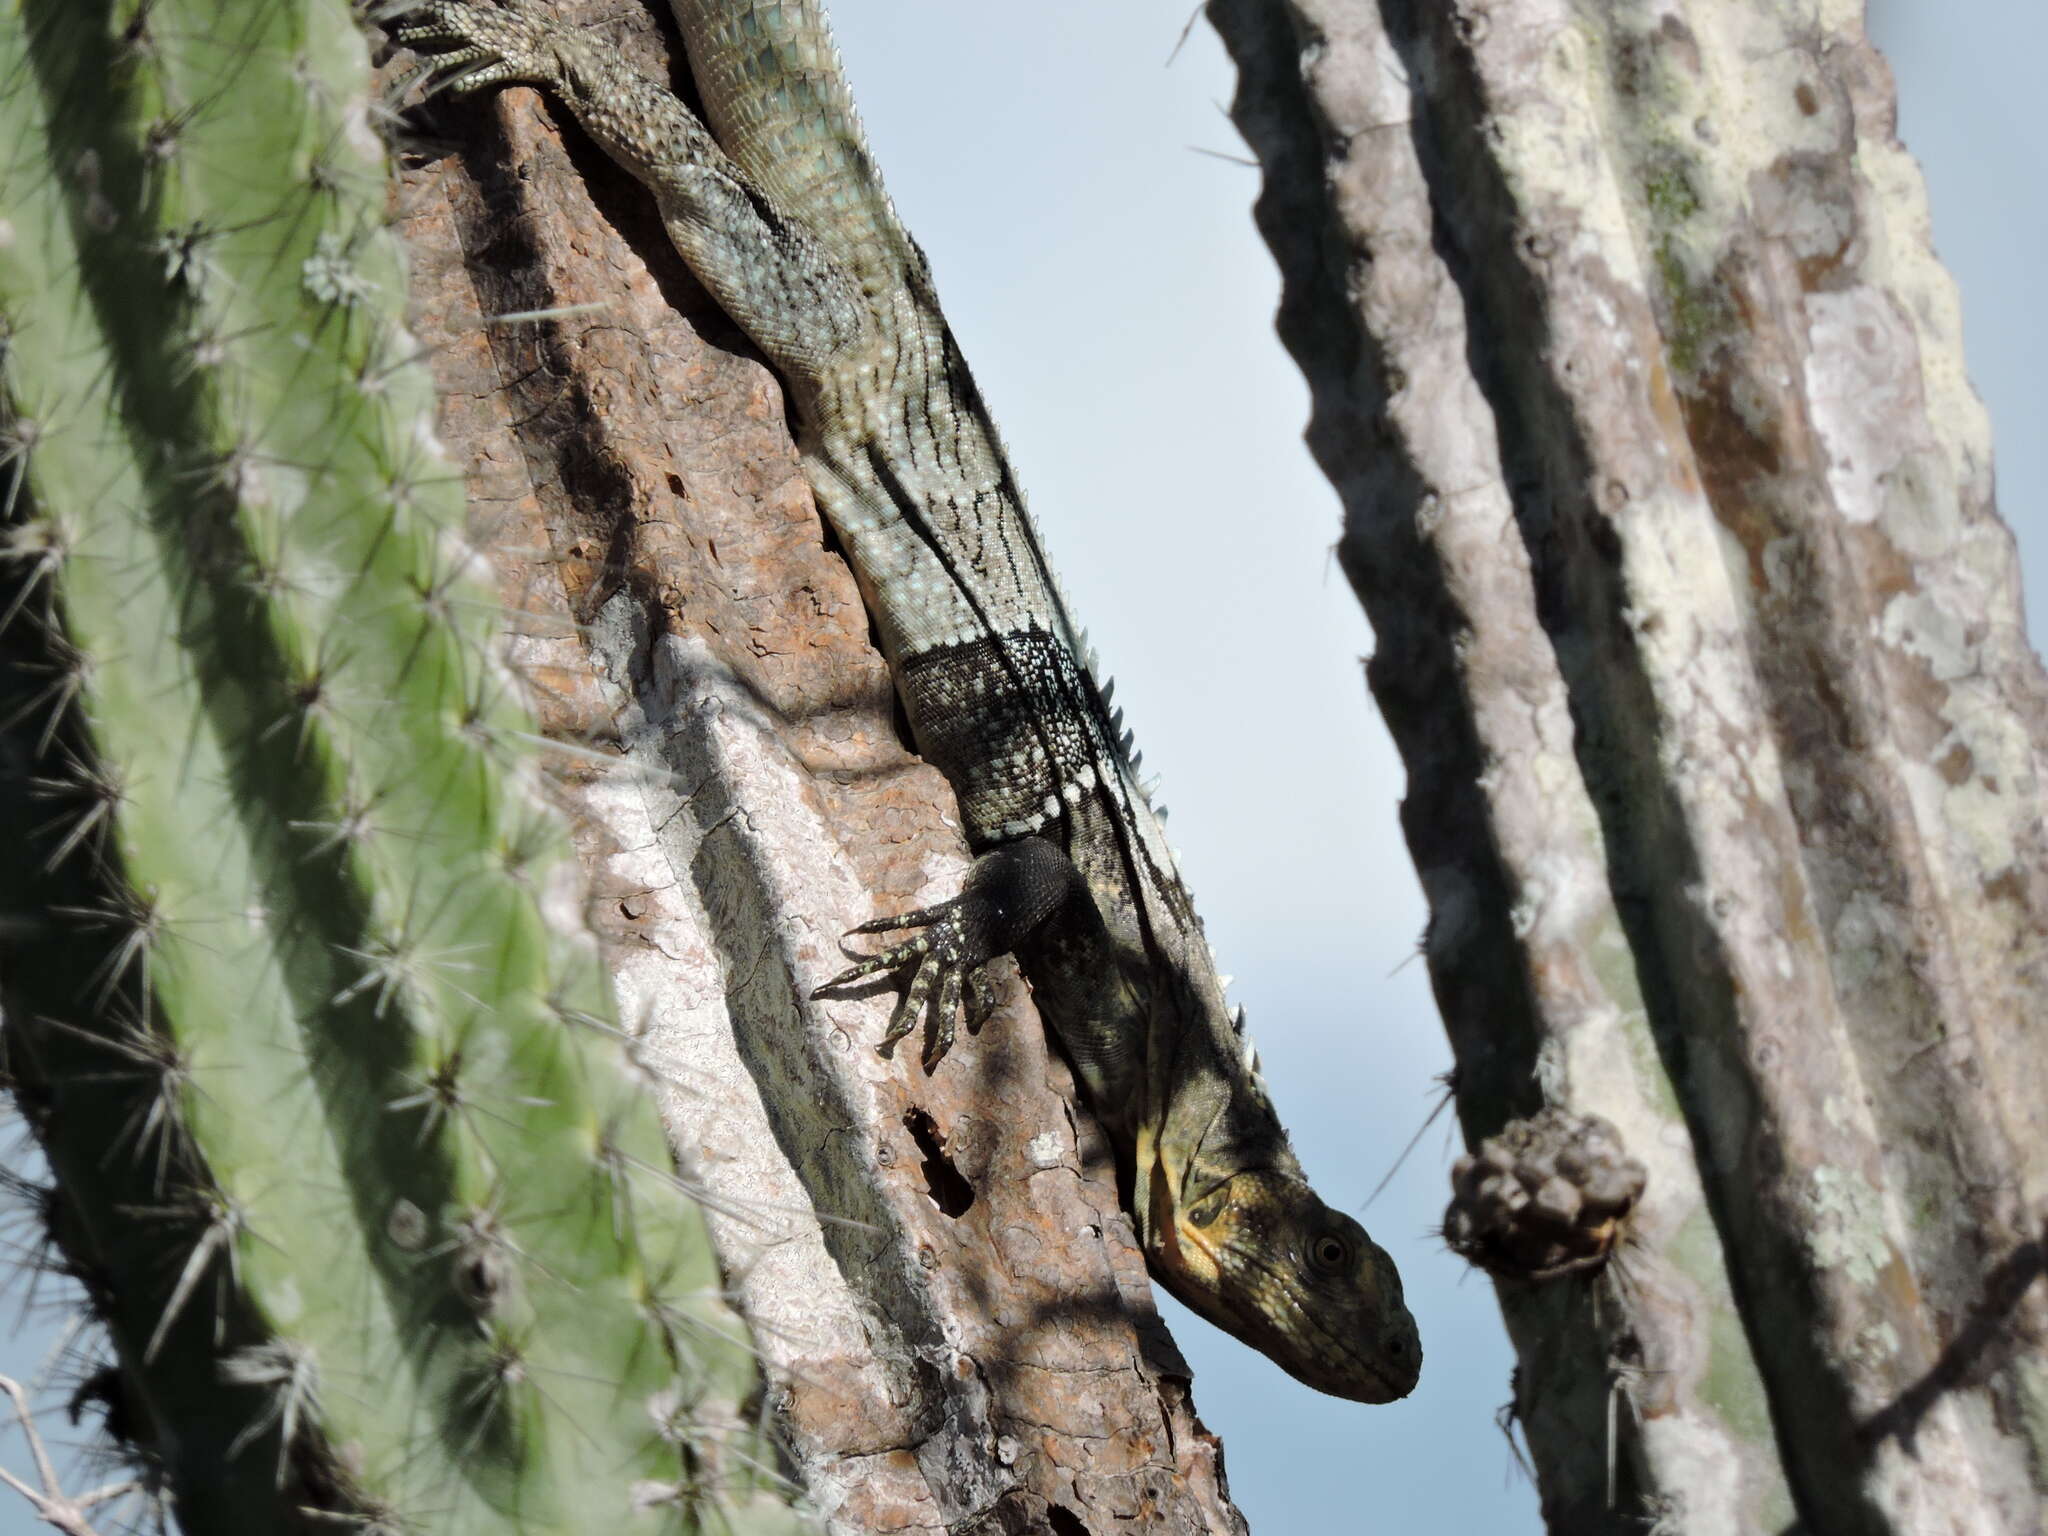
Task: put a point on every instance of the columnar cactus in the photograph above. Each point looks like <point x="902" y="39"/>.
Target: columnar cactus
<point x="1672" y="510"/>
<point x="298" y="1001"/>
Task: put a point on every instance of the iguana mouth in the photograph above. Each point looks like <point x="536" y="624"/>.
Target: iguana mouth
<point x="1238" y="1256"/>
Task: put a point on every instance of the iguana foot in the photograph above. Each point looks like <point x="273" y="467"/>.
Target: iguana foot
<point x="946" y="959"/>
<point x="471" y="46"/>
<point x="1009" y="892"/>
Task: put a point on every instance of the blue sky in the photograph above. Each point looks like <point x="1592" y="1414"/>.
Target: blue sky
<point x="1107" y="284"/>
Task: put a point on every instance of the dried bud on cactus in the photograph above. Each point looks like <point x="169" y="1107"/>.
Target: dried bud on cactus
<point x="1549" y="1196"/>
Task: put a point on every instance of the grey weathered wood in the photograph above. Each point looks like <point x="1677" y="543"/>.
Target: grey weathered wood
<point x="1670" y="503"/>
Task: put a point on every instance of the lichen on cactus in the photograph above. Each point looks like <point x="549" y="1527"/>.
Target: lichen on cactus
<point x="348" y="1152"/>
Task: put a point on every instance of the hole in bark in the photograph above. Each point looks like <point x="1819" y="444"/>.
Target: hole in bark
<point x="1065" y="1522"/>
<point x="949" y="1189"/>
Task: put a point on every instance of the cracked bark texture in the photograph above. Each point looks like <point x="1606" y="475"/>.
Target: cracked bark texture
<point x="956" y="1326"/>
<point x="1672" y="510"/>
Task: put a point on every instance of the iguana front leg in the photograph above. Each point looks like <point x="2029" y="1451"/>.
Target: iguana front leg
<point x="1009" y="894"/>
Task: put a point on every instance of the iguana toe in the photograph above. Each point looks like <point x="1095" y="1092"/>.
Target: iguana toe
<point x="941" y="954"/>
<point x="470" y="47"/>
<point x="1009" y="892"/>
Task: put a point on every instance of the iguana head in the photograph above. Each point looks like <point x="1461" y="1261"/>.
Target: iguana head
<point x="1262" y="1258"/>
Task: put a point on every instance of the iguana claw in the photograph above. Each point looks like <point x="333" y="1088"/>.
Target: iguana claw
<point x="941" y="954"/>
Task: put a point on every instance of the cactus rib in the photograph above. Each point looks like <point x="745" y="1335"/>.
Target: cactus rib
<point x="374" y="1214"/>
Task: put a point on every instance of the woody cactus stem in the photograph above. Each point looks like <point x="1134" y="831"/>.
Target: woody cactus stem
<point x="347" y="1152"/>
<point x="1699" y="632"/>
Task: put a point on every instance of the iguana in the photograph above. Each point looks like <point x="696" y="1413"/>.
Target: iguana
<point x="778" y="209"/>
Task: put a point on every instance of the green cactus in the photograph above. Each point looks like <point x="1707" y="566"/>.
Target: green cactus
<point x="348" y="1154"/>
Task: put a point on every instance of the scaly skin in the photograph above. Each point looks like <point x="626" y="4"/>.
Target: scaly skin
<point x="783" y="218"/>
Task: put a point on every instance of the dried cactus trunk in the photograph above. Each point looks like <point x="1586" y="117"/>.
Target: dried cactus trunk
<point x="298" y="996"/>
<point x="951" y="1307"/>
<point x="1701" y="638"/>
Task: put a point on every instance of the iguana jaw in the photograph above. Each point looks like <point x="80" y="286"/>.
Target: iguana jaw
<point x="1263" y="1259"/>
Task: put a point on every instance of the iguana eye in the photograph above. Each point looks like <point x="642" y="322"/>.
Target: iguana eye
<point x="1330" y="1252"/>
<point x="1205" y="1213"/>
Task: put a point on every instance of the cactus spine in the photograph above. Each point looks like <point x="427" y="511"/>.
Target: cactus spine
<point x="347" y="1152"/>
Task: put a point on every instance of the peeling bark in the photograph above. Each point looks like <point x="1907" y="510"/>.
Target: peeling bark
<point x="955" y="1323"/>
<point x="1670" y="504"/>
